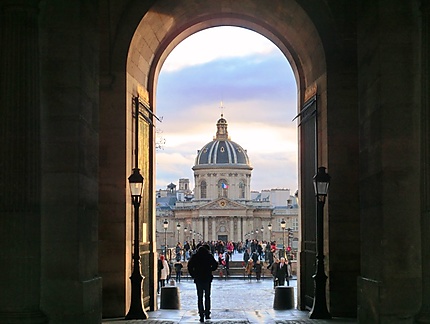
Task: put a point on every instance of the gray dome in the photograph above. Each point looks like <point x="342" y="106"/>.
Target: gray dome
<point x="222" y="151"/>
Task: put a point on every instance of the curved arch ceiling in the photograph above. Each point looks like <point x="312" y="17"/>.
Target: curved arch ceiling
<point x="166" y="24"/>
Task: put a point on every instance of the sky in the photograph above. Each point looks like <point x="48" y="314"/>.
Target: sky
<point x="249" y="77"/>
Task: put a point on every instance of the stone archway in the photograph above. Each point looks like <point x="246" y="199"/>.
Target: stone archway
<point x="67" y="145"/>
<point x="145" y="37"/>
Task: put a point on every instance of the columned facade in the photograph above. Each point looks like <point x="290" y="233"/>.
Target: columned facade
<point x="222" y="174"/>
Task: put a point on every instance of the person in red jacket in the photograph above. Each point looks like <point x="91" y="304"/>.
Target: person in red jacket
<point x="200" y="267"/>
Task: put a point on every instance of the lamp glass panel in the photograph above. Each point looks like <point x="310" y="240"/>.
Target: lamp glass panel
<point x="136" y="188"/>
<point x="321" y="188"/>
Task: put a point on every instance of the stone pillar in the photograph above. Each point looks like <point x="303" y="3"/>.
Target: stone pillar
<point x="231" y="236"/>
<point x="390" y="285"/>
<point x="424" y="316"/>
<point x="206" y="230"/>
<point x="214" y="237"/>
<point x="20" y="164"/>
<point x="69" y="60"/>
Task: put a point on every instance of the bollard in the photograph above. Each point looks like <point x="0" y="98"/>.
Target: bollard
<point x="284" y="298"/>
<point x="169" y="298"/>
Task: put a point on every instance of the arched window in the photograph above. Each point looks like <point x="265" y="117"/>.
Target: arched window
<point x="222" y="188"/>
<point x="203" y="189"/>
<point x="241" y="190"/>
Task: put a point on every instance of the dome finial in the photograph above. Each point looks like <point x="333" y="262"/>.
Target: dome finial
<point x="221" y="133"/>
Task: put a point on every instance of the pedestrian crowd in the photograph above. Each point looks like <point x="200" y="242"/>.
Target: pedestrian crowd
<point x="202" y="258"/>
<point x="256" y="255"/>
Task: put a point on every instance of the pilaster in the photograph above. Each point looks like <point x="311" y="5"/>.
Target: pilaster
<point x="71" y="288"/>
<point x="390" y="149"/>
<point x="424" y="316"/>
<point x="20" y="163"/>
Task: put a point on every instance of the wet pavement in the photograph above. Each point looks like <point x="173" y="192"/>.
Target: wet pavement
<point x="233" y="301"/>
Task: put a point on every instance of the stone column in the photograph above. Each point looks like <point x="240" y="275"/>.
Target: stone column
<point x="20" y="164"/>
<point x="390" y="282"/>
<point x="206" y="236"/>
<point x="69" y="60"/>
<point x="214" y="229"/>
<point x="231" y="236"/>
<point x="424" y="316"/>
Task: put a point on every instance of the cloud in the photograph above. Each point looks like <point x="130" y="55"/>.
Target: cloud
<point x="212" y="44"/>
<point x="228" y="80"/>
<point x="274" y="171"/>
<point x="174" y="165"/>
<point x="259" y="92"/>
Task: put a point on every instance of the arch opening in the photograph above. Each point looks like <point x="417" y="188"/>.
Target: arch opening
<point x="259" y="91"/>
<point x="295" y="37"/>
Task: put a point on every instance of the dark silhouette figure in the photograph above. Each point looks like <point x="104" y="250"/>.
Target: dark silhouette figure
<point x="200" y="267"/>
<point x="282" y="272"/>
<point x="258" y="268"/>
<point x="178" y="270"/>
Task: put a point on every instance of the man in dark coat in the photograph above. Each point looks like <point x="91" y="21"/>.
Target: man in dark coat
<point x="200" y="267"/>
<point x="227" y="263"/>
<point x="246" y="256"/>
<point x="282" y="272"/>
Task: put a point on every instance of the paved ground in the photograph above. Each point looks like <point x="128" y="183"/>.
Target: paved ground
<point x="233" y="301"/>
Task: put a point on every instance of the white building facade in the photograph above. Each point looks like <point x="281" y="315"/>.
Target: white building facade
<point x="223" y="207"/>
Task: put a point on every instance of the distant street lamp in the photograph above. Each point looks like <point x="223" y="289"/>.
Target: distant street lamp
<point x="256" y="234"/>
<point x="165" y="226"/>
<point x="269" y="227"/>
<point x="289" y="237"/>
<point x="193" y="245"/>
<point x="283" y="224"/>
<point x="185" y="233"/>
<point x="262" y="230"/>
<point x="178" y="228"/>
<point x="319" y="308"/>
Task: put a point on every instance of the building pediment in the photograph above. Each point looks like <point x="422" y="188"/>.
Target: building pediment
<point x="222" y="203"/>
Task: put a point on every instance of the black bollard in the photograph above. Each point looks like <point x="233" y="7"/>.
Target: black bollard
<point x="284" y="298"/>
<point x="170" y="298"/>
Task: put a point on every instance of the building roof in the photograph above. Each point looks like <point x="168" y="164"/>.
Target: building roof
<point x="221" y="151"/>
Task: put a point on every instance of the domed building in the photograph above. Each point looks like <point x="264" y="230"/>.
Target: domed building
<point x="222" y="169"/>
<point x="223" y="206"/>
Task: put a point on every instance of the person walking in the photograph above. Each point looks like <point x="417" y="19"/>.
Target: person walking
<point x="159" y="267"/>
<point x="200" y="267"/>
<point x="254" y="257"/>
<point x="282" y="272"/>
<point x="221" y="264"/>
<point x="178" y="270"/>
<point x="258" y="268"/>
<point x="273" y="270"/>
<point x="249" y="268"/>
<point x="246" y="257"/>
<point x="227" y="264"/>
<point x="165" y="271"/>
<point x="178" y="251"/>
